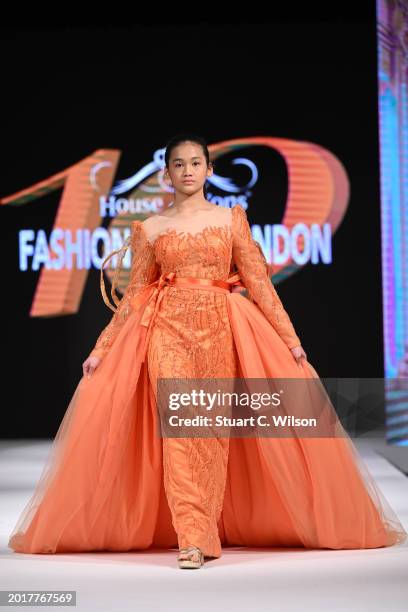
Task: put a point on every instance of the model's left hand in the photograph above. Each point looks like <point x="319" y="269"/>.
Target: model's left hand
<point x="299" y="354"/>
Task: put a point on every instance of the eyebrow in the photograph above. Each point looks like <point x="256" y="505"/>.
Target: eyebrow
<point x="181" y="159"/>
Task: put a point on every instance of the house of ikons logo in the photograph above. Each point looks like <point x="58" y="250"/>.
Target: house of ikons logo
<point x="317" y="199"/>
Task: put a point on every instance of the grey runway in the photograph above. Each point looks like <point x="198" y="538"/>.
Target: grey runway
<point x="281" y="579"/>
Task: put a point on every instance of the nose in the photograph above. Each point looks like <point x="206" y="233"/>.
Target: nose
<point x="186" y="172"/>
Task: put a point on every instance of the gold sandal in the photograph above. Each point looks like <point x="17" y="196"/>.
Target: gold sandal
<point x="189" y="563"/>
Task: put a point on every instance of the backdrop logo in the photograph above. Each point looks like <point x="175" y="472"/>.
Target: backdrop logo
<point x="317" y="197"/>
<point x="157" y="166"/>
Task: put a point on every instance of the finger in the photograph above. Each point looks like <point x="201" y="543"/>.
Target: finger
<point x="92" y="369"/>
<point x="296" y="359"/>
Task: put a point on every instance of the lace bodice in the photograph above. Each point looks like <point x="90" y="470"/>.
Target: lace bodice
<point x="204" y="248"/>
<point x="200" y="247"/>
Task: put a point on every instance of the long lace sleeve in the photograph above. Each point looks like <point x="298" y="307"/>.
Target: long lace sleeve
<point x="251" y="266"/>
<point x="144" y="271"/>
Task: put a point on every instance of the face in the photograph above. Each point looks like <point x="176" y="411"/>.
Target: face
<point x="187" y="163"/>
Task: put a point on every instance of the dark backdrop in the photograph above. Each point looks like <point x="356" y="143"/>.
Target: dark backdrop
<point x="70" y="90"/>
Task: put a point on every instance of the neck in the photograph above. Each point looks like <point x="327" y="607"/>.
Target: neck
<point x="185" y="204"/>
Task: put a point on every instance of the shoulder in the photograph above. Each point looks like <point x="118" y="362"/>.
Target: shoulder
<point x="144" y="232"/>
<point x="136" y="227"/>
<point x="150" y="222"/>
<point x="142" y="227"/>
<point x="240" y="225"/>
<point x="239" y="216"/>
<point x="154" y="225"/>
<point x="138" y="233"/>
<point x="238" y="211"/>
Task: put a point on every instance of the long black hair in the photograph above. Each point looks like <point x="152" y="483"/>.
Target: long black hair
<point x="184" y="137"/>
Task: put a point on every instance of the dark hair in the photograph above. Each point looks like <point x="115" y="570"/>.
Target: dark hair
<point x="184" y="137"/>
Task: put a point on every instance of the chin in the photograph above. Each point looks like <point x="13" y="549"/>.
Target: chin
<point x="190" y="188"/>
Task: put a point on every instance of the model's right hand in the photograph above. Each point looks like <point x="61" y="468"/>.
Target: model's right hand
<point x="89" y="366"/>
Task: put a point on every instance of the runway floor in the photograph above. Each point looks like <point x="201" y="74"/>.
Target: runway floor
<point x="243" y="578"/>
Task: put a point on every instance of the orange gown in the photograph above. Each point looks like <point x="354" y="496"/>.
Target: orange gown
<point x="111" y="483"/>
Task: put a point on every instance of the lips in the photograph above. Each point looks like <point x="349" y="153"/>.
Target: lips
<point x="188" y="181"/>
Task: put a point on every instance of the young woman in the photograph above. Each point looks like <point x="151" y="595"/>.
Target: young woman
<point x="111" y="483"/>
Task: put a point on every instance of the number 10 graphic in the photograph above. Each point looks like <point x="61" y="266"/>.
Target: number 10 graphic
<point x="318" y="193"/>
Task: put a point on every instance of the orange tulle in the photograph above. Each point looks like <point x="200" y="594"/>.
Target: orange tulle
<point x="102" y="487"/>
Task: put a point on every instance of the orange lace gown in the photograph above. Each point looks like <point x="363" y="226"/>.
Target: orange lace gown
<point x="192" y="338"/>
<point x="111" y="484"/>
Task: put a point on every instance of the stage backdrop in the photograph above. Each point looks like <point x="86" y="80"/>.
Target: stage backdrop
<point x="290" y="114"/>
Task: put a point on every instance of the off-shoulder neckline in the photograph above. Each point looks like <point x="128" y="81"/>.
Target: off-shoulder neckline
<point x="165" y="217"/>
<point x="146" y="235"/>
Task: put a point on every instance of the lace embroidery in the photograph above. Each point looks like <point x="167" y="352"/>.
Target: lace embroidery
<point x="204" y="254"/>
<point x="251" y="266"/>
<point x="206" y="461"/>
<point x="188" y="235"/>
<point x="208" y="253"/>
<point x="192" y="338"/>
<point x="144" y="271"/>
